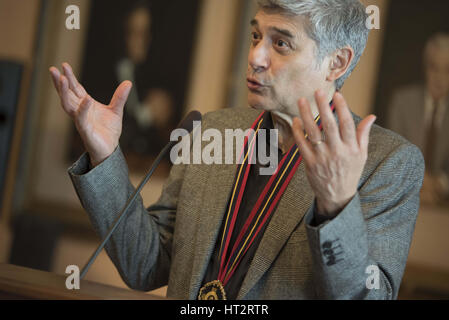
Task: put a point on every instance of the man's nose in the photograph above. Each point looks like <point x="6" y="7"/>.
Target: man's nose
<point x="259" y="59"/>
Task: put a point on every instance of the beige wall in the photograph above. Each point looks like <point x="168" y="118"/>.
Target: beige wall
<point x="49" y="168"/>
<point x="430" y="245"/>
<point x="213" y="55"/>
<point x="360" y="89"/>
<point x="18" y="20"/>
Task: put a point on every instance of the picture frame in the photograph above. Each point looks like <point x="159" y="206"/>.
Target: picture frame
<point x="139" y="41"/>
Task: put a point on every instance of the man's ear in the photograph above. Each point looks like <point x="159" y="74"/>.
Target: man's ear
<point x="340" y="62"/>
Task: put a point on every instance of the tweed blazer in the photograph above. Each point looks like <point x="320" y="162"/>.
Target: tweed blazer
<point x="171" y="242"/>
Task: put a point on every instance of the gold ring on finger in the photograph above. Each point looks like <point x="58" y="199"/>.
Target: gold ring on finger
<point x="316" y="143"/>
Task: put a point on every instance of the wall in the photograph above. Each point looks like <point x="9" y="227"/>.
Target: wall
<point x="18" y="20"/>
<point x="18" y="24"/>
<point x="213" y="55"/>
<point x="360" y="89"/>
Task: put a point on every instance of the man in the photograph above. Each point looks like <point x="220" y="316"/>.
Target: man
<point x="420" y="114"/>
<point x="334" y="210"/>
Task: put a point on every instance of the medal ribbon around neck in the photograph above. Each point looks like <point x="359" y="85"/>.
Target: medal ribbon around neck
<point x="264" y="206"/>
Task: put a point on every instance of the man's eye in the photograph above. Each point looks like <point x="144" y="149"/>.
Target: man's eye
<point x="255" y="36"/>
<point x="282" y="44"/>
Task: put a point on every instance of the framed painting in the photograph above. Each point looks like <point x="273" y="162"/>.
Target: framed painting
<point x="149" y="43"/>
<point x="413" y="89"/>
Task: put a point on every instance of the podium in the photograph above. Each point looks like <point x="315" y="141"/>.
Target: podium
<point x="24" y="283"/>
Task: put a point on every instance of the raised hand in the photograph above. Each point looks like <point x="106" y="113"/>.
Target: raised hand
<point x="334" y="165"/>
<point x="99" y="125"/>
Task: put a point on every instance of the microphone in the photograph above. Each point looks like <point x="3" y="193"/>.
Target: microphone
<point x="186" y="124"/>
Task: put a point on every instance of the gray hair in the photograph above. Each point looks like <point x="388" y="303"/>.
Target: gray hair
<point x="332" y="24"/>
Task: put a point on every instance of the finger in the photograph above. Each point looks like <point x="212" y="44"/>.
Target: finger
<point x="83" y="110"/>
<point x="303" y="144"/>
<point x="347" y="126"/>
<point x="363" y="131"/>
<point x="73" y="82"/>
<point x="312" y="130"/>
<point x="328" y="121"/>
<point x="120" y="96"/>
<point x="55" y="76"/>
<point x="67" y="99"/>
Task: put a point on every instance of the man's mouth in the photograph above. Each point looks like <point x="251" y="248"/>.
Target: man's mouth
<point x="253" y="84"/>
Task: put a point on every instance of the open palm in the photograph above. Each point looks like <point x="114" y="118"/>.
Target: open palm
<point x="99" y="125"/>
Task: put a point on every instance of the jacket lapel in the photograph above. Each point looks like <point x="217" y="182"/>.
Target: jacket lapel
<point x="213" y="205"/>
<point x="295" y="202"/>
<point x="211" y="217"/>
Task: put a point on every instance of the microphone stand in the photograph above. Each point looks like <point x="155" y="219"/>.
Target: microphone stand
<point x="124" y="211"/>
<point x="188" y="125"/>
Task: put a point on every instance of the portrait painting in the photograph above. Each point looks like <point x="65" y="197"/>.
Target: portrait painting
<point x="413" y="87"/>
<point x="149" y="43"/>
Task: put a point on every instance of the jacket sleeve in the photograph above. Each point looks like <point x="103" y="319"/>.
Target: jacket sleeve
<point x="141" y="246"/>
<point x="370" y="239"/>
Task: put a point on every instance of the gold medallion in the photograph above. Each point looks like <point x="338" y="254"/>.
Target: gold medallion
<point x="213" y="290"/>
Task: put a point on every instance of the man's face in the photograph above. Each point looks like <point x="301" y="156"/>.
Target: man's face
<point x="437" y="72"/>
<point x="281" y="65"/>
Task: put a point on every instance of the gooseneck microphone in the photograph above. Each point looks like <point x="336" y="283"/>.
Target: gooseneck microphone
<point x="188" y="125"/>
